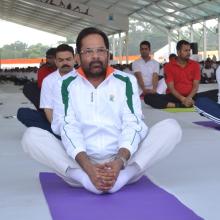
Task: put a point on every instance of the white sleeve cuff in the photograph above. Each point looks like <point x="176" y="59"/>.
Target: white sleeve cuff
<point x="73" y="153"/>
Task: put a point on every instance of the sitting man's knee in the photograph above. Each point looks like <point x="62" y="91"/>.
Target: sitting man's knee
<point x="27" y="138"/>
<point x="22" y="113"/>
<point x="175" y="128"/>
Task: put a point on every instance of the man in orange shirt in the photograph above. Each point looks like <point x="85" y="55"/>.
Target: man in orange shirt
<point x="182" y="77"/>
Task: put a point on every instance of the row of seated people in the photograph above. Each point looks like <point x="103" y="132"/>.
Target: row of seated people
<point x="22" y="75"/>
<point x="19" y="76"/>
<point x="208" y="71"/>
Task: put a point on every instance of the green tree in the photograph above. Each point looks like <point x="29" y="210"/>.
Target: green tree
<point x="36" y="51"/>
<point x="13" y="50"/>
<point x="21" y="50"/>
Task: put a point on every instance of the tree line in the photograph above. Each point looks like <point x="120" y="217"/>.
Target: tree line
<point x="19" y="49"/>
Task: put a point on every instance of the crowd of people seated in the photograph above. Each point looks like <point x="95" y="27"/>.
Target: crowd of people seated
<point x="29" y="74"/>
<point x="19" y="76"/>
<point x="208" y="70"/>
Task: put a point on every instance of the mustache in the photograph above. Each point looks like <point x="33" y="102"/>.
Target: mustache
<point x="65" y="65"/>
<point x="95" y="62"/>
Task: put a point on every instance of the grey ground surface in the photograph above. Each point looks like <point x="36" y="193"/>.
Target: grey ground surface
<point x="190" y="172"/>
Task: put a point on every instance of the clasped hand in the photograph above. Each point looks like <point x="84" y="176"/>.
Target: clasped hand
<point x="188" y="102"/>
<point x="104" y="176"/>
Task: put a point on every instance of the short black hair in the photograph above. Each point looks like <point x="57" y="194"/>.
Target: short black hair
<point x="172" y="55"/>
<point x="145" y="42"/>
<point x="64" y="47"/>
<point x="88" y="31"/>
<point x="51" y="52"/>
<point x="181" y="43"/>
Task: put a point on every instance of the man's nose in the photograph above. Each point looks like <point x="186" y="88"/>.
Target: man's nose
<point x="65" y="62"/>
<point x="95" y="54"/>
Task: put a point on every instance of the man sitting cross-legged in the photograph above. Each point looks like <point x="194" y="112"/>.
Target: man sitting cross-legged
<point x="105" y="143"/>
<point x="146" y="71"/>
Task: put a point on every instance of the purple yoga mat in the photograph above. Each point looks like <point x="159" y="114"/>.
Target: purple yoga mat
<point x="209" y="124"/>
<point x="142" y="200"/>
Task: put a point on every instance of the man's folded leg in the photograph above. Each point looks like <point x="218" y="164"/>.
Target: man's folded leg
<point x="45" y="148"/>
<point x="159" y="143"/>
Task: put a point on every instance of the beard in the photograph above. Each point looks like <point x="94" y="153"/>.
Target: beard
<point x="95" y="69"/>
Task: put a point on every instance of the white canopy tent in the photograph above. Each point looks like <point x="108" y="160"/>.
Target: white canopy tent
<point x="68" y="17"/>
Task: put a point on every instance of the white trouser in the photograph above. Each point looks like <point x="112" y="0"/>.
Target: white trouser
<point x="160" y="141"/>
<point x="162" y="86"/>
<point x="48" y="150"/>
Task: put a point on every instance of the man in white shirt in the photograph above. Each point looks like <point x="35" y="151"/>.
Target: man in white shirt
<point x="207" y="72"/>
<point x="50" y="91"/>
<point x="51" y="87"/>
<point x="104" y="144"/>
<point x="147" y="70"/>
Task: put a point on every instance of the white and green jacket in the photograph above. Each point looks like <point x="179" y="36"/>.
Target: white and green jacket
<point x="101" y="120"/>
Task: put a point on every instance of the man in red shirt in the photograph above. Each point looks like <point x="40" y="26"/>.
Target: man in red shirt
<point x="182" y="77"/>
<point x="48" y="67"/>
<point x="32" y="90"/>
